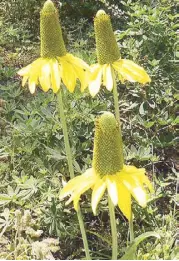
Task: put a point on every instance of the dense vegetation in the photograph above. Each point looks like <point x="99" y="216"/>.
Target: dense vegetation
<point x="33" y="162"/>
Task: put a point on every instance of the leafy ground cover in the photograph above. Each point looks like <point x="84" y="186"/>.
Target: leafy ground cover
<point x="33" y="165"/>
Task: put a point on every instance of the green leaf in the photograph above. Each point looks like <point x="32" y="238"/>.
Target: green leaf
<point x="55" y="154"/>
<point x="99" y="236"/>
<point x="131" y="250"/>
<point x="148" y="124"/>
<point x="4" y="199"/>
<point x="141" y="109"/>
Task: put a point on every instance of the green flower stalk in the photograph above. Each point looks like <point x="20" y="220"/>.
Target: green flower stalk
<point x="109" y="172"/>
<point x="54" y="66"/>
<point x="110" y="66"/>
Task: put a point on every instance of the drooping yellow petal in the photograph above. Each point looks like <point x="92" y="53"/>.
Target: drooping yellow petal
<point x="81" y="70"/>
<point x="24" y="80"/>
<point x="139" y="175"/>
<point x="94" y="85"/>
<point x="25" y="70"/>
<point x="137" y="191"/>
<point x="108" y="77"/>
<point x="85" y="80"/>
<point x="140" y="195"/>
<point x="68" y="75"/>
<point x="94" y="69"/>
<point x="74" y="183"/>
<point x="55" y="76"/>
<point x="83" y="186"/>
<point x="83" y="77"/>
<point x="97" y="194"/>
<point x="44" y="77"/>
<point x="124" y="200"/>
<point x="131" y="71"/>
<point x="33" y="78"/>
<point x="32" y="86"/>
<point x="112" y="188"/>
<point x="77" y="62"/>
<point x="144" y="180"/>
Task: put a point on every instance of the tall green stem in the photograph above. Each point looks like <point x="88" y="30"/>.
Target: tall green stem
<point x="115" y="96"/>
<point x="131" y="229"/>
<point x="117" y="114"/>
<point x="113" y="229"/>
<point x="65" y="133"/>
<point x="116" y="106"/>
<point x="71" y="170"/>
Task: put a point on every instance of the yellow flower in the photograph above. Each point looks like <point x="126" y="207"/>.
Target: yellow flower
<point x="55" y="63"/>
<point x="108" y="172"/>
<point x="109" y="59"/>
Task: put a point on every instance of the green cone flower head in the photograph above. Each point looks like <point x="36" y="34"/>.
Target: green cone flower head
<point x="106" y="45"/>
<point x="52" y="43"/>
<point x="107" y="154"/>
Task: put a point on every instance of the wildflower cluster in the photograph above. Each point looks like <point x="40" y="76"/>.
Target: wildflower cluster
<point x="56" y="65"/>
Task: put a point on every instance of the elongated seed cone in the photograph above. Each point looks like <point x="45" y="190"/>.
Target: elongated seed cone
<point x="108" y="153"/>
<point x="52" y="44"/>
<point x="106" y="45"/>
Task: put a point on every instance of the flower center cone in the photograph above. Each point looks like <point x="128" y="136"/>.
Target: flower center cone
<point x="52" y="44"/>
<point x="106" y="45"/>
<point x="108" y="152"/>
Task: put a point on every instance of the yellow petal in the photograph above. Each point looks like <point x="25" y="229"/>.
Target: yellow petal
<point x="144" y="180"/>
<point x="68" y="75"/>
<point x="85" y="81"/>
<point x="124" y="200"/>
<point x="55" y="76"/>
<point x="74" y="183"/>
<point x="34" y="73"/>
<point x="131" y="71"/>
<point x="77" y="61"/>
<point x="24" y="80"/>
<point x="44" y="77"/>
<point x="108" y="77"/>
<point x="97" y="194"/>
<point x="82" y="187"/>
<point x="94" y="69"/>
<point x="139" y="175"/>
<point x="135" y="188"/>
<point x="140" y="195"/>
<point x="94" y="86"/>
<point x="32" y="86"/>
<point x="25" y="70"/>
<point x="83" y="77"/>
<point x="112" y="188"/>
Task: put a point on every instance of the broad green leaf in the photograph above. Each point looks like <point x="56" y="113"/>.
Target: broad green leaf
<point x="131" y="250"/>
<point x="148" y="124"/>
